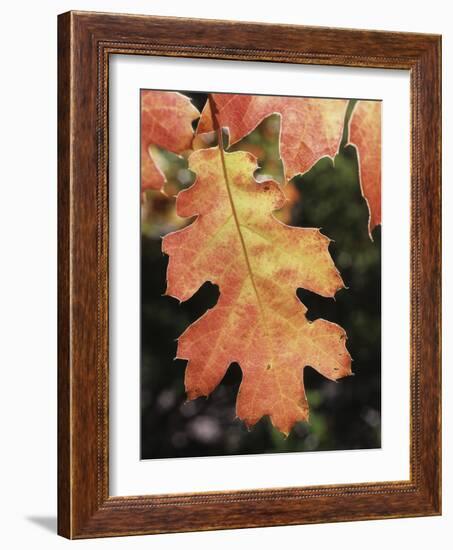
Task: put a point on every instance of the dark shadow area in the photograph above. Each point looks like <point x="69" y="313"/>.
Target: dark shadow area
<point x="48" y="523"/>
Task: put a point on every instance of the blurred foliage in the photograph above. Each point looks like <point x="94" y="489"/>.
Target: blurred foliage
<point x="344" y="415"/>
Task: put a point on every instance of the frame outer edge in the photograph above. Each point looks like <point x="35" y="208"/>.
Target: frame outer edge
<point x="80" y="477"/>
<point x="64" y="340"/>
<point x="426" y="275"/>
<point x="431" y="224"/>
<point x="438" y="181"/>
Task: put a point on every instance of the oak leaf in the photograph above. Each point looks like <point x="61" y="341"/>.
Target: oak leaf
<point x="311" y="128"/>
<point x="365" y="136"/>
<point x="166" y="122"/>
<point x="258" y="263"/>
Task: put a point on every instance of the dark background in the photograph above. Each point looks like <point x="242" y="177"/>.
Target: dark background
<point x="343" y="414"/>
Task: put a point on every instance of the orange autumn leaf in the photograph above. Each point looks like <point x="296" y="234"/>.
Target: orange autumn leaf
<point x="365" y="136"/>
<point x="311" y="128"/>
<point x="166" y="121"/>
<point x="258" y="263"/>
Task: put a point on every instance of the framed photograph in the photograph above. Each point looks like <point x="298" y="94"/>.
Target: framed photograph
<point x="249" y="275"/>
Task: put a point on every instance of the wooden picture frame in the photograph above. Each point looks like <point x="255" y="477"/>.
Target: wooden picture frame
<point x="85" y="42"/>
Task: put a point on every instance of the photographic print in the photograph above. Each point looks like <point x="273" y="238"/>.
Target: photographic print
<point x="260" y="274"/>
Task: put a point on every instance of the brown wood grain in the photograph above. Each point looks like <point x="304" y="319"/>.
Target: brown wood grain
<point x="85" y="42"/>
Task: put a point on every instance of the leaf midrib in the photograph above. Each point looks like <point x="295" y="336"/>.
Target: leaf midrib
<point x="243" y="245"/>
